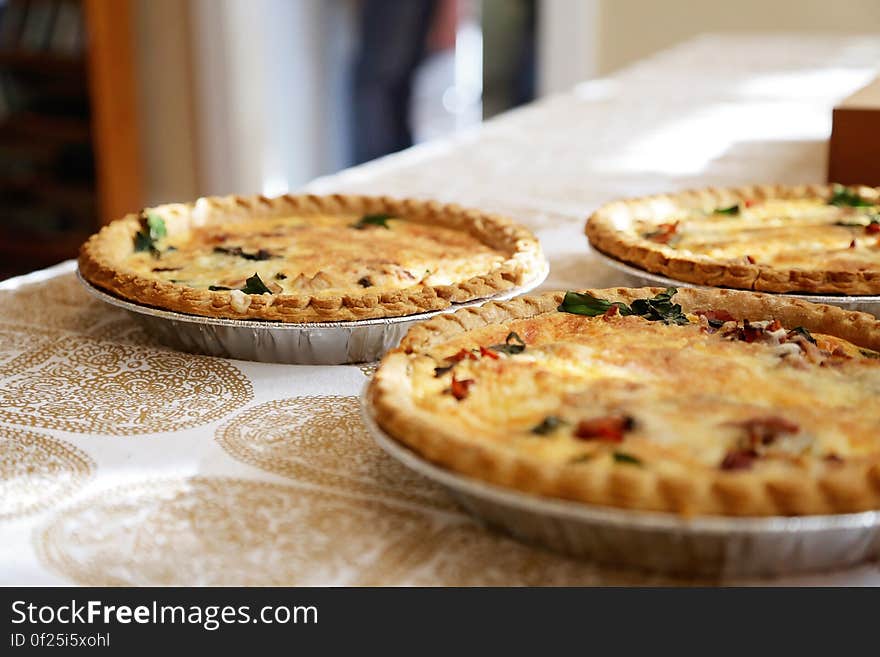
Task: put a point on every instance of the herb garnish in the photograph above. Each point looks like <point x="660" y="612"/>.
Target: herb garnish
<point x="628" y="459"/>
<point x="152" y="230"/>
<point x="844" y="196"/>
<point x="280" y="276"/>
<point x="804" y="333"/>
<point x="255" y="285"/>
<point x="513" y="344"/>
<point x="657" y="308"/>
<point x="372" y="220"/>
<point x="440" y="371"/>
<point x="731" y="210"/>
<point x="867" y="353"/>
<point x="660" y="308"/>
<point x="366" y="281"/>
<point x="261" y="254"/>
<point x="548" y="425"/>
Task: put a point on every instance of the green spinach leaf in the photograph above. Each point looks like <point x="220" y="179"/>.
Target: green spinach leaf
<point x="372" y="220"/>
<point x="548" y="425"/>
<point x="513" y="344"/>
<point x="577" y="303"/>
<point x="626" y="459"/>
<point x="657" y="308"/>
<point x="843" y="196"/>
<point x="152" y="230"/>
<point x="255" y="285"/>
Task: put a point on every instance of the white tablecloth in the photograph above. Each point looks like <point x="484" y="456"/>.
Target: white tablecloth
<point x="122" y="462"/>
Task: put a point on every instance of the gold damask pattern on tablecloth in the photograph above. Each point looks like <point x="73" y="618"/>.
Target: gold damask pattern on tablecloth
<point x="58" y="303"/>
<point x="124" y="331"/>
<point x="69" y="363"/>
<point x="92" y="386"/>
<point x="220" y="531"/>
<point x="322" y="440"/>
<point x="37" y="471"/>
<point x="223" y="531"/>
<point x="21" y="350"/>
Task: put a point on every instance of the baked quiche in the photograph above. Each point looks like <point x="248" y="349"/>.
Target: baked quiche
<point x="692" y="401"/>
<point x="809" y="239"/>
<point x="309" y="258"/>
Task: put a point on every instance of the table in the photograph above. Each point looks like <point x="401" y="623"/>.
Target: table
<point x="122" y="462"/>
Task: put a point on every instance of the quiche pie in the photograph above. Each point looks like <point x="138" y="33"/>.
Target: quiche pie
<point x="692" y="401"/>
<point x="309" y="258"/>
<point x="809" y="239"/>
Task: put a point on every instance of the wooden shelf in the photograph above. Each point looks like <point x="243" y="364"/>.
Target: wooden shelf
<point x="46" y="126"/>
<point x="42" y="62"/>
<point x="52" y="191"/>
<point x="23" y="251"/>
<point x="70" y="145"/>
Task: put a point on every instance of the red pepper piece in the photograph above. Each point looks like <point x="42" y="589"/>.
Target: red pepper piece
<point x="461" y="355"/>
<point x="488" y="353"/>
<point x="611" y="312"/>
<point x="608" y="428"/>
<point x="460" y="389"/>
<point x="740" y="459"/>
<point x="764" y="430"/>
<point x="663" y="233"/>
<point x="750" y="333"/>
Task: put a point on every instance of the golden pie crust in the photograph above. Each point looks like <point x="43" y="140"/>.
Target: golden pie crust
<point x="675" y="380"/>
<point x="809" y="258"/>
<point x="461" y="255"/>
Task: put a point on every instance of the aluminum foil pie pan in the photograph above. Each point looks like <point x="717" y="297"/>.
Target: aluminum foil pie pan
<point x="635" y="277"/>
<point x="708" y="546"/>
<point x="315" y="343"/>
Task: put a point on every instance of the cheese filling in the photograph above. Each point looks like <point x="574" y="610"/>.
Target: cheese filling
<point x="710" y="393"/>
<point x="323" y="255"/>
<point x="799" y="234"/>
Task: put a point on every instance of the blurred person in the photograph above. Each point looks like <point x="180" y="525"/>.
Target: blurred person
<point x="509" y="37"/>
<point x="393" y="39"/>
<point x="396" y="37"/>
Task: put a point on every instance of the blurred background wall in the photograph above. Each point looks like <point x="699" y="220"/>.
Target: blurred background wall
<point x="631" y="29"/>
<point x="110" y="105"/>
<point x="164" y="81"/>
<point x="279" y="45"/>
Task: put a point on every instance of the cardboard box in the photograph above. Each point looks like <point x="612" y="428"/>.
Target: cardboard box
<point x="854" y="153"/>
